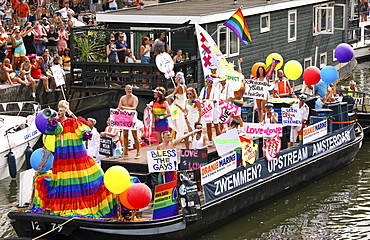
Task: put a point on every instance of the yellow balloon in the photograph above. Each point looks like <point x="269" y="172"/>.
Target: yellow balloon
<point x="117" y="179"/>
<point x="293" y="70"/>
<point x="49" y="142"/>
<point x="275" y="56"/>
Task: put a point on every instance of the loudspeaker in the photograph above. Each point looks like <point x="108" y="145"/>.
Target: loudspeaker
<point x="48" y="113"/>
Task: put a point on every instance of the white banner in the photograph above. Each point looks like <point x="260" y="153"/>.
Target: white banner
<point x="315" y="131"/>
<point x="263" y="130"/>
<point x="227" y="142"/>
<point x="256" y="89"/>
<point x="291" y="117"/>
<point x="209" y="53"/>
<point x="162" y="160"/>
<point x="58" y="74"/>
<point x="218" y="168"/>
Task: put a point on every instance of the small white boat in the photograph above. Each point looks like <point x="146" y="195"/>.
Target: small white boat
<point x="17" y="131"/>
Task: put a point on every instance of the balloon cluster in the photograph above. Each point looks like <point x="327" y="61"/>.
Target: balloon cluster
<point x="311" y="75"/>
<point x="132" y="195"/>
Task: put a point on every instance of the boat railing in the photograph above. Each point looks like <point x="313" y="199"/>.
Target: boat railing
<point x="22" y="108"/>
<point x="358" y="36"/>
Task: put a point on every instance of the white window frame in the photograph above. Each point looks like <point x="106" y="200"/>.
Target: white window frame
<point x="290" y="12"/>
<point x="228" y="54"/>
<point x="323" y="64"/>
<point x="352" y="14"/>
<point x="307" y="60"/>
<point x="267" y="28"/>
<point x="334" y="58"/>
<point x="343" y="16"/>
<point x="329" y="19"/>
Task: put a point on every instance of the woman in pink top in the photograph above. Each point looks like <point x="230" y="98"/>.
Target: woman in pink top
<point x="63" y="38"/>
<point x="40" y="34"/>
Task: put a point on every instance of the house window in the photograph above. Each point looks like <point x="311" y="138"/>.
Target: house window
<point x="292" y="25"/>
<point x="334" y="58"/>
<point x="307" y="62"/>
<point x="323" y="59"/>
<point x="265" y="23"/>
<point x="227" y="41"/>
<point x="323" y="19"/>
<point x="339" y="16"/>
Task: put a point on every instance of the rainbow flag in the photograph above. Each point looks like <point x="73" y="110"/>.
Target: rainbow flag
<point x="239" y="26"/>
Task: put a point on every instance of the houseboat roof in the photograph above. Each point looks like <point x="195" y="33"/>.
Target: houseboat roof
<point x="201" y="11"/>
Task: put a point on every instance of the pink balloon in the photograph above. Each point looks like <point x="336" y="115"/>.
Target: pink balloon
<point x="311" y="75"/>
<point x="139" y="195"/>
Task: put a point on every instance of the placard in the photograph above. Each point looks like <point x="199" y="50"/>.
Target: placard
<point x="165" y="200"/>
<point x="263" y="130"/>
<point x="227" y="110"/>
<point x="192" y="159"/>
<point x="188" y="194"/>
<point x="218" y="168"/>
<point x="162" y="160"/>
<point x="256" y="89"/>
<point x="315" y="131"/>
<point x="123" y="119"/>
<point x="249" y="151"/>
<point x="106" y="146"/>
<point x="207" y="110"/>
<point x="58" y="74"/>
<point x="291" y="117"/>
<point x="227" y="142"/>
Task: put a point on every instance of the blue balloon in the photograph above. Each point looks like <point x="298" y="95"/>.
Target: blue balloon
<point x="37" y="157"/>
<point x="329" y="74"/>
<point x="344" y="52"/>
<point x="41" y="122"/>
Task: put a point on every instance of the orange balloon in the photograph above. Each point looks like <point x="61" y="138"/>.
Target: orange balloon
<point x="123" y="198"/>
<point x="255" y="68"/>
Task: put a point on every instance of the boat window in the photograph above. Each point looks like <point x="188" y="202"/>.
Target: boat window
<point x="265" y="23"/>
<point x="227" y="41"/>
<point x="292" y="25"/>
<point x="307" y="62"/>
<point x="323" y="19"/>
<point x="323" y="60"/>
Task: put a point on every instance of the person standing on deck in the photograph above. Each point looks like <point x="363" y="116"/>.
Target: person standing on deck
<point x="129" y="102"/>
<point x="200" y="140"/>
<point x="304" y="109"/>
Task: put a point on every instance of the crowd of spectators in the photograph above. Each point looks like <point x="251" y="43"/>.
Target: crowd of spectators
<point x="34" y="36"/>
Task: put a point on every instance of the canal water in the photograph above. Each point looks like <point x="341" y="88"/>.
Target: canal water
<point x="336" y="206"/>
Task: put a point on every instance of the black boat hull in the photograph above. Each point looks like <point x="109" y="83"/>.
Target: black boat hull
<point x="213" y="213"/>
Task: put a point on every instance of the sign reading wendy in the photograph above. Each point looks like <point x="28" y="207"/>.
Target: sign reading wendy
<point x="286" y="159"/>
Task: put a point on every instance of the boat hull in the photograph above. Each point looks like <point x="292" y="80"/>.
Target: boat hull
<point x="213" y="213"/>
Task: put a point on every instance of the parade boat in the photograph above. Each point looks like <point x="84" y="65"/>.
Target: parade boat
<point x="225" y="197"/>
<point x="18" y="133"/>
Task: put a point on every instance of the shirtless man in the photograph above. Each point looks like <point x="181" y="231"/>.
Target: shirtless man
<point x="129" y="102"/>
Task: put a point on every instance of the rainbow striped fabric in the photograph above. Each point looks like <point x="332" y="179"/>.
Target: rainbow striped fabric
<point x="76" y="185"/>
<point x="239" y="26"/>
<point x="238" y="103"/>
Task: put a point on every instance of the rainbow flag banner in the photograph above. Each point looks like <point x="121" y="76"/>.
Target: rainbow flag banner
<point x="239" y="26"/>
<point x="165" y="200"/>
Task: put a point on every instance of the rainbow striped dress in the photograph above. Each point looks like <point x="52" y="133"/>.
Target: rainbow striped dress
<point x="76" y="186"/>
<point x="160" y="110"/>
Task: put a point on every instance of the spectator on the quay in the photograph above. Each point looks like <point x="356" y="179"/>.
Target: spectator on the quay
<point x="63" y="38"/>
<point x="121" y="46"/>
<point x="22" y="12"/>
<point x="129" y="102"/>
<point x="29" y="39"/>
<point x="71" y="18"/>
<point x="159" y="43"/>
<point x="3" y="43"/>
<point x="53" y="38"/>
<point x="76" y="8"/>
<point x="65" y="9"/>
<point x="130" y="57"/>
<point x="111" y="51"/>
<point x="40" y="38"/>
<point x="2" y="5"/>
<point x="112" y="4"/>
<point x="32" y="16"/>
<point x="145" y="50"/>
<point x="25" y="75"/>
<point x="8" y="23"/>
<point x="37" y="74"/>
<point x="19" y="48"/>
<point x="178" y="57"/>
<point x="8" y="74"/>
<point x="45" y="66"/>
<point x="43" y="11"/>
<point x="14" y="13"/>
<point x="66" y="60"/>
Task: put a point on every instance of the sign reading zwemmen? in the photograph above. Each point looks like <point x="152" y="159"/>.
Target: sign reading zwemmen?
<point x="122" y="119"/>
<point x="162" y="160"/>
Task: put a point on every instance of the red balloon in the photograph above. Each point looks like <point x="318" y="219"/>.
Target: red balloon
<point x="311" y="75"/>
<point x="139" y="195"/>
<point x="123" y="198"/>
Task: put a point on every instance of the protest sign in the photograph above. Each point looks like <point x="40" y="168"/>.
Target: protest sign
<point x="315" y="131"/>
<point x="162" y="160"/>
<point x="272" y="147"/>
<point x="122" y="119"/>
<point x="256" y="89"/>
<point x="192" y="159"/>
<point x="165" y="200"/>
<point x="291" y="117"/>
<point x="249" y="151"/>
<point x="106" y="147"/>
<point x="226" y="111"/>
<point x="188" y="194"/>
<point x="218" y="168"/>
<point x="165" y="64"/>
<point x="227" y="141"/>
<point x="207" y="110"/>
<point x="58" y="74"/>
<point x="263" y="130"/>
